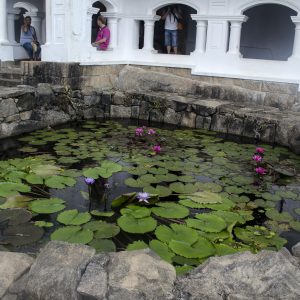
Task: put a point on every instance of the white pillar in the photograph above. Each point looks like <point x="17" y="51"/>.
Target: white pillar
<point x="113" y="24"/>
<point x="12" y="16"/>
<point x="88" y="25"/>
<point x="296" y="49"/>
<point x="201" y="34"/>
<point x="3" y="22"/>
<point x="235" y="35"/>
<point x="149" y="33"/>
<point x="48" y="22"/>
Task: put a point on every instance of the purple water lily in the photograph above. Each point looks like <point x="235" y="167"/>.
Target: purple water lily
<point x="139" y="131"/>
<point x="143" y="197"/>
<point x="261" y="171"/>
<point x="89" y="180"/>
<point x="156" y="148"/>
<point x="151" y="131"/>
<point x="257" y="158"/>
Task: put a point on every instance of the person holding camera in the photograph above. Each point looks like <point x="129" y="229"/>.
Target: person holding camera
<point x="103" y="37"/>
<point x="171" y="17"/>
<point x="29" y="40"/>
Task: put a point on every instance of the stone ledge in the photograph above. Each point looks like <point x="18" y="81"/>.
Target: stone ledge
<point x="72" y="271"/>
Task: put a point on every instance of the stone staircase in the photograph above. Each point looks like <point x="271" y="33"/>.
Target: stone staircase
<point x="10" y="74"/>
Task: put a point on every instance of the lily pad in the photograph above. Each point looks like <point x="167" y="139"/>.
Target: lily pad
<point x="98" y="213"/>
<point x="47" y="206"/>
<point x="207" y="223"/>
<point x="170" y="210"/>
<point x="125" y="198"/>
<point x="12" y="188"/>
<point x="102" y="229"/>
<point x="17" y="201"/>
<point x="131" y="224"/>
<point x="135" y="211"/>
<point x="73" y="234"/>
<point x="159" y="190"/>
<point x="103" y="245"/>
<point x="137" y="245"/>
<point x="15" y="216"/>
<point x="201" y="249"/>
<point x="295" y="225"/>
<point x="180" y="188"/>
<point x="59" y="182"/>
<point x="73" y="217"/>
<point x="279" y="217"/>
<point x="162" y="250"/>
<point x="43" y="224"/>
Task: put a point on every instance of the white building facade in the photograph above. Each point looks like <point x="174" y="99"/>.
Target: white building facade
<point x="247" y="39"/>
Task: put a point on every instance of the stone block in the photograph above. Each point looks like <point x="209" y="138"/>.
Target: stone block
<point x="12" y="266"/>
<point x="172" y="117"/>
<point x="57" y="271"/>
<point x="294" y="138"/>
<point x="296" y="250"/>
<point x="144" y="110"/>
<point x="28" y="102"/>
<point x="119" y="98"/>
<point x="266" y="275"/>
<point x="203" y="122"/>
<point x="119" y="111"/>
<point x="91" y="100"/>
<point x="279" y="88"/>
<point x="235" y="125"/>
<point x="58" y="89"/>
<point x="208" y="107"/>
<point x="135" y="112"/>
<point x="7" y="108"/>
<point x="281" y="101"/>
<point x="156" y="115"/>
<point x="188" y="120"/>
<point x="13" y="118"/>
<point x="219" y="123"/>
<point x="106" y="98"/>
<point x="26" y="115"/>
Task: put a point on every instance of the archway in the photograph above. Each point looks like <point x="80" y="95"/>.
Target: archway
<point x="186" y="36"/>
<point x="102" y="8"/>
<point x="268" y="33"/>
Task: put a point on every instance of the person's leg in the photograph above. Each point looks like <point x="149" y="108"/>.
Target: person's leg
<point x="29" y="50"/>
<point x="175" y="41"/>
<point x="168" y="40"/>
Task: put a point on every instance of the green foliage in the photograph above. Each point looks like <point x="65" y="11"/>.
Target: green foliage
<point x="47" y="206"/>
<point x="73" y="234"/>
<point x="170" y="210"/>
<point x="137" y="245"/>
<point x="73" y="217"/>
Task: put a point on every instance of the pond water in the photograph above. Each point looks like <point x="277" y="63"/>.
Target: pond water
<point x="203" y="194"/>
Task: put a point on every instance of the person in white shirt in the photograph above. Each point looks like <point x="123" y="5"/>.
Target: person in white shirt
<point x="171" y="18"/>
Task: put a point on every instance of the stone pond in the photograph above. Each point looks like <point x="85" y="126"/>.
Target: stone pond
<point x="196" y="202"/>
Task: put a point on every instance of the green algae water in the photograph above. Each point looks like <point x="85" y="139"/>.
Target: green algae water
<point x="186" y="194"/>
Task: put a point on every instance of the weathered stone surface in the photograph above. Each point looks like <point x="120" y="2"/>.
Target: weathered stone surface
<point x="188" y="120"/>
<point x="263" y="276"/>
<point x="137" y="275"/>
<point x="294" y="139"/>
<point x="172" y="117"/>
<point x="203" y="122"/>
<point x="296" y="250"/>
<point x="207" y="108"/>
<point x="12" y="266"/>
<point x="57" y="271"/>
<point x="94" y="282"/>
<point x="119" y="98"/>
<point x="119" y="111"/>
<point x="7" y="108"/>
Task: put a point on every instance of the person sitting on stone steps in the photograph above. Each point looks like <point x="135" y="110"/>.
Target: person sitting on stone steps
<point x="29" y="40"/>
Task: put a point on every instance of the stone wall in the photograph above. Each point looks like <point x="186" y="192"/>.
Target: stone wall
<point x="68" y="271"/>
<point x="154" y="99"/>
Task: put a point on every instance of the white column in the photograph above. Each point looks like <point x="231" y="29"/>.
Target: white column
<point x="12" y="16"/>
<point x="149" y="33"/>
<point x="235" y="35"/>
<point x="48" y="22"/>
<point x="88" y="26"/>
<point x="201" y="35"/>
<point x="3" y="22"/>
<point x="112" y="24"/>
<point x="296" y="49"/>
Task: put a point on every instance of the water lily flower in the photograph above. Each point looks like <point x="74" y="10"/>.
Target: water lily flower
<point x="257" y="158"/>
<point x="143" y="197"/>
<point x="261" y="171"/>
<point x="139" y="131"/>
<point x="260" y="150"/>
<point x="89" y="181"/>
<point x="156" y="148"/>
<point x="151" y="131"/>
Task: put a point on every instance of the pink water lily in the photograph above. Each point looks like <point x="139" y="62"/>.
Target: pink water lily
<point x="257" y="158"/>
<point x="156" y="148"/>
<point x="143" y="197"/>
<point x="261" y="171"/>
<point x="260" y="150"/>
<point x="139" y="131"/>
<point x="151" y="131"/>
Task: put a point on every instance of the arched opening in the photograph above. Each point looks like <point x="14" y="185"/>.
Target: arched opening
<point x="268" y="33"/>
<point x="102" y="8"/>
<point x="186" y="35"/>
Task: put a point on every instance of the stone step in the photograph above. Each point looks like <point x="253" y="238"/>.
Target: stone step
<point x="11" y="74"/>
<point x="10" y="82"/>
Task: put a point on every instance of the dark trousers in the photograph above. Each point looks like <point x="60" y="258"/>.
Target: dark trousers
<point x="29" y="50"/>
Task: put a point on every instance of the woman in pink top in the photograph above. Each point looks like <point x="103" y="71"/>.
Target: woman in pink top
<point x="103" y="37"/>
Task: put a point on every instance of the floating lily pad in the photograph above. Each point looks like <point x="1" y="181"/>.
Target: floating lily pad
<point x="137" y="212"/>
<point x="170" y="210"/>
<point x="201" y="249"/>
<point x="23" y="234"/>
<point x="106" y="214"/>
<point x="279" y="217"/>
<point x="73" y="217"/>
<point x="125" y="198"/>
<point x="207" y="222"/>
<point x="103" y="245"/>
<point x="8" y="189"/>
<point x="204" y="197"/>
<point x="45" y="171"/>
<point x="73" y="234"/>
<point x="162" y="250"/>
<point x="136" y="183"/>
<point x="180" y="188"/>
<point x="43" y="224"/>
<point x="17" y="201"/>
<point x="295" y="225"/>
<point x="159" y="190"/>
<point x="229" y="217"/>
<point x="131" y="224"/>
<point x="47" y="206"/>
<point x="102" y="229"/>
<point x="137" y="245"/>
<point x="14" y="216"/>
<point x="59" y="182"/>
